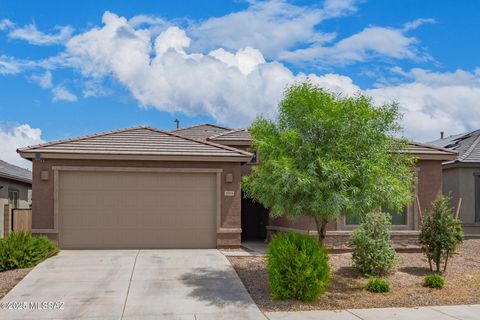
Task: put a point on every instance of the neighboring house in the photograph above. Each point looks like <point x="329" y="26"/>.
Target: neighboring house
<point x="461" y="177"/>
<point x="147" y="188"/>
<point x="15" y="189"/>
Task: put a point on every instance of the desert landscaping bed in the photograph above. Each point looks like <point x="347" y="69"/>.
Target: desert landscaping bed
<point x="10" y="278"/>
<point x="347" y="287"/>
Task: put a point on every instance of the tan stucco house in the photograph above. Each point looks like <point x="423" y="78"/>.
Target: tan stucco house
<point x="461" y="178"/>
<point x="147" y="188"/>
<point x="15" y="189"/>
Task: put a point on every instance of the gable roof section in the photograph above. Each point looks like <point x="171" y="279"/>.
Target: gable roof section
<point x="135" y="143"/>
<point x="466" y="144"/>
<point x="200" y="131"/>
<point x="240" y="136"/>
<point x="13" y="172"/>
<point x="430" y="152"/>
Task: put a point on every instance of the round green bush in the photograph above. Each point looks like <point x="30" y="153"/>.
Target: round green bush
<point x="297" y="267"/>
<point x="373" y="252"/>
<point x="378" y="285"/>
<point x="434" y="281"/>
<point x="22" y="250"/>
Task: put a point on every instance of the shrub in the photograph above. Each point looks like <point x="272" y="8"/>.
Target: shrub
<point x="433" y="281"/>
<point x="441" y="233"/>
<point x="373" y="252"/>
<point x="22" y="250"/>
<point x="297" y="267"/>
<point x="378" y="285"/>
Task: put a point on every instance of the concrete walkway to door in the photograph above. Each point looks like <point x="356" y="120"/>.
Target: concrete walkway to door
<point x="132" y="284"/>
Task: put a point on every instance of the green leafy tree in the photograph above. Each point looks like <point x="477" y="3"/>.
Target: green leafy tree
<point x="327" y="155"/>
<point x="441" y="233"/>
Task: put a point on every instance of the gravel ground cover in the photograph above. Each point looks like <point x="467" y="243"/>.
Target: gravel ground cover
<point x="9" y="279"/>
<point x="347" y="287"/>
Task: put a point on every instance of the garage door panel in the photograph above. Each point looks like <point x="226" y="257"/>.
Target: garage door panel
<point x="137" y="210"/>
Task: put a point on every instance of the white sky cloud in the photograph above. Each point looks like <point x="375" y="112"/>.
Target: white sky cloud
<point x="412" y="25"/>
<point x="225" y="67"/>
<point x="43" y="80"/>
<point x="370" y="43"/>
<point x="434" y="102"/>
<point x="32" y="35"/>
<point x="6" y="24"/>
<point x="14" y="137"/>
<point x="60" y="93"/>
<point x="269" y="26"/>
<point x="234" y="86"/>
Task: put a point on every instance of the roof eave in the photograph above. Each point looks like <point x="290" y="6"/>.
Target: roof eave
<point x="15" y="178"/>
<point x="95" y="156"/>
<point x="231" y="142"/>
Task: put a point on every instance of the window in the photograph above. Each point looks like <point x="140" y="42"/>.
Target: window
<point x="477" y="196"/>
<point x="13" y="198"/>
<point x="398" y="218"/>
<point x="352" y="220"/>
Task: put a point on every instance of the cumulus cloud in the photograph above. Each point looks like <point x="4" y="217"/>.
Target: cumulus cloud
<point x="60" y="93"/>
<point x="434" y="102"/>
<point x="232" y="87"/>
<point x="269" y="26"/>
<point x="182" y="70"/>
<point x="14" y="137"/>
<point x="32" y="35"/>
<point x="370" y="43"/>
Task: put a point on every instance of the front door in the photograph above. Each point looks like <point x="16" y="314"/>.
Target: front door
<point x="254" y="220"/>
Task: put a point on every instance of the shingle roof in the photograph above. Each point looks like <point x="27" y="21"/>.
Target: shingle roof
<point x="466" y="144"/>
<point x="232" y="135"/>
<point x="138" y="141"/>
<point x="201" y="131"/>
<point x="420" y="149"/>
<point x="13" y="172"/>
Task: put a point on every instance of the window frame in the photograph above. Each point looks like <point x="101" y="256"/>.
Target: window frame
<point x="17" y="192"/>
<point x="476" y="194"/>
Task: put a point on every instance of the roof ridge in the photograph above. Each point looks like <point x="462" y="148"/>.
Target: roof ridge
<point x="221" y="146"/>
<point x="103" y="133"/>
<point x="470" y="149"/>
<point x="200" y="124"/>
<point x="426" y="145"/>
<point x="226" y="132"/>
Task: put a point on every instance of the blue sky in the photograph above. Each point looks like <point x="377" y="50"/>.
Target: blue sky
<point x="70" y="68"/>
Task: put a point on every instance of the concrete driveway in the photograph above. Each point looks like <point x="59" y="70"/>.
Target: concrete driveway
<point x="131" y="284"/>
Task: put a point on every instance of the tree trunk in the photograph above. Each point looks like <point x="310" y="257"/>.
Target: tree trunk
<point x="321" y="228"/>
<point x="437" y="262"/>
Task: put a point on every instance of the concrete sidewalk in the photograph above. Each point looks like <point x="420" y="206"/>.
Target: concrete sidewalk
<point x="462" y="312"/>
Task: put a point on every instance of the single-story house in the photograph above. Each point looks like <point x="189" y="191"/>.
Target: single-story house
<point x="461" y="177"/>
<point x="15" y="189"/>
<point x="147" y="188"/>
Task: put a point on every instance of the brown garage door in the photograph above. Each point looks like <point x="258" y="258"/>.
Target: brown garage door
<point x="117" y="210"/>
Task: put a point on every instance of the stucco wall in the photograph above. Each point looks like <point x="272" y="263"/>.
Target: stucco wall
<point x="23" y="202"/>
<point x="460" y="182"/>
<point x="43" y="191"/>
